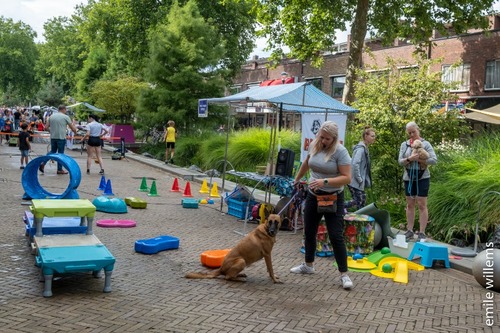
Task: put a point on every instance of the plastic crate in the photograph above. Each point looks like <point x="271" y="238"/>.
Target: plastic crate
<point x="238" y="208"/>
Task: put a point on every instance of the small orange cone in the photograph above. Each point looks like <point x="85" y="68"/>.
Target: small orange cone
<point x="187" y="191"/>
<point x="214" y="192"/>
<point x="204" y="187"/>
<point x="175" y="186"/>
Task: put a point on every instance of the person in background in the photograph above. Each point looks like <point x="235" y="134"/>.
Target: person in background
<point x="2" y="124"/>
<point x="95" y="131"/>
<point x="17" y="119"/>
<point x="329" y="164"/>
<point x="24" y="144"/>
<point x="57" y="126"/>
<point x="361" y="170"/>
<point x="416" y="183"/>
<point x="170" y="136"/>
<point x="39" y="126"/>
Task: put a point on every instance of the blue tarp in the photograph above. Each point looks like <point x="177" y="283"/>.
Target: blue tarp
<point x="296" y="97"/>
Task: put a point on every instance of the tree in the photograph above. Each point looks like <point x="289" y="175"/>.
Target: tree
<point x="122" y="28"/>
<point x="63" y="53"/>
<point x="184" y="65"/>
<point x="308" y="27"/>
<point x="390" y="99"/>
<point x="51" y="93"/>
<point x="18" y="54"/>
<point x="118" y="97"/>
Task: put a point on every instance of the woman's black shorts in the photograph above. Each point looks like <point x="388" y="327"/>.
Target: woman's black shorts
<point x="94" y="141"/>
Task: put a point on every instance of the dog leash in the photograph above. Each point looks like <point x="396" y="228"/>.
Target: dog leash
<point x="413" y="175"/>
<point x="288" y="203"/>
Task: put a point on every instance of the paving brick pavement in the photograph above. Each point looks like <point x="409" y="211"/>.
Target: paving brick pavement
<point x="150" y="294"/>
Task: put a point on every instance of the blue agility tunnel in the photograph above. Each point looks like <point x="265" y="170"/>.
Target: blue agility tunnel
<point x="31" y="184"/>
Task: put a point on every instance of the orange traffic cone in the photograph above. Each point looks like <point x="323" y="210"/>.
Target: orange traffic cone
<point x="175" y="186"/>
<point x="204" y="187"/>
<point x="187" y="191"/>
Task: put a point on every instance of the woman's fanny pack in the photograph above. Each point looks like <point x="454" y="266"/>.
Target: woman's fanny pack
<point x="327" y="203"/>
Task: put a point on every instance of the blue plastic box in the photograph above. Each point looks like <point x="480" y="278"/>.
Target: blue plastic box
<point x="238" y="208"/>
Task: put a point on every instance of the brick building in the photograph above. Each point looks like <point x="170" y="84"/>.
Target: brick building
<point x="478" y="52"/>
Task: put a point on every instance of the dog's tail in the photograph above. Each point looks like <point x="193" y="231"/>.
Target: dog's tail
<point x="201" y="275"/>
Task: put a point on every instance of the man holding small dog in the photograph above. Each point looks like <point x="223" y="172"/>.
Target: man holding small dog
<point x="330" y="170"/>
<point x="416" y="178"/>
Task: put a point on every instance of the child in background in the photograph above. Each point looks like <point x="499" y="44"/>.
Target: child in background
<point x="24" y="144"/>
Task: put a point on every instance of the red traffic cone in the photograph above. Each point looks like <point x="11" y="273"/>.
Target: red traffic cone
<point x="187" y="191"/>
<point x="175" y="186"/>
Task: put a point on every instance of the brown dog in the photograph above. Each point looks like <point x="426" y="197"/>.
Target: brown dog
<point x="256" y="245"/>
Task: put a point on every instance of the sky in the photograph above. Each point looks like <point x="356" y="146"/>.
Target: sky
<point x="36" y="12"/>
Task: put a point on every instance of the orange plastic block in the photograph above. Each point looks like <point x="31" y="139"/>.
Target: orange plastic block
<point x="213" y="258"/>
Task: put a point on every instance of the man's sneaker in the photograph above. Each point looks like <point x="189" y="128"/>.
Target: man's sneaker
<point x="21" y="167"/>
<point x="346" y="282"/>
<point x="41" y="168"/>
<point x="101" y="172"/>
<point x="422" y="237"/>
<point x="409" y="235"/>
<point x="303" y="269"/>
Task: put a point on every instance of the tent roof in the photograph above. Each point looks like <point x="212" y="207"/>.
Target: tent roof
<point x="91" y="107"/>
<point x="490" y="115"/>
<point x="298" y="97"/>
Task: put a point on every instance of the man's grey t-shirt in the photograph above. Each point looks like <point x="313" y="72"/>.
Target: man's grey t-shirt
<point x="59" y="125"/>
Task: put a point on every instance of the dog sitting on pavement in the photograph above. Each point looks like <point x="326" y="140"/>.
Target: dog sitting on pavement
<point x="256" y="245"/>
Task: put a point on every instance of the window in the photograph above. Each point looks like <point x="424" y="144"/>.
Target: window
<point x="457" y="74"/>
<point x="338" y="83"/>
<point x="317" y="82"/>
<point x="492" y="74"/>
<point x="235" y="89"/>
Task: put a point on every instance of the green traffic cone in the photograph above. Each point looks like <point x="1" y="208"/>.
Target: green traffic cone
<point x="144" y="185"/>
<point x="152" y="192"/>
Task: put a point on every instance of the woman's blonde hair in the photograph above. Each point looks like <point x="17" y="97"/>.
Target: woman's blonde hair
<point x="331" y="128"/>
<point x="366" y="131"/>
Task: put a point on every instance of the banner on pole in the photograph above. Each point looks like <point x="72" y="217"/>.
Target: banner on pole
<point x="202" y="108"/>
<point x="311" y="122"/>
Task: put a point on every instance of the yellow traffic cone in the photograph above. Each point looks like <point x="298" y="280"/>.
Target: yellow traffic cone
<point x="204" y="187"/>
<point x="214" y="192"/>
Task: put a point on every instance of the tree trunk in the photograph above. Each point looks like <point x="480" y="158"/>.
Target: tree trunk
<point x="356" y="43"/>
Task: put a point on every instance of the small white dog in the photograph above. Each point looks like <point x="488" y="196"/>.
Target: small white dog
<point x="418" y="146"/>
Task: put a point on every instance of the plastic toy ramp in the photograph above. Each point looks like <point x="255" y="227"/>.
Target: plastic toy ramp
<point x="360" y="265"/>
<point x="383" y="218"/>
<point x="396" y="269"/>
<point x="377" y="256"/>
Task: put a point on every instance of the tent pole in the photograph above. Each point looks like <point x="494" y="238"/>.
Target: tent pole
<point x="225" y="161"/>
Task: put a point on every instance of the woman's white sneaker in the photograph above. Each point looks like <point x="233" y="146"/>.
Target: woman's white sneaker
<point x="346" y="282"/>
<point x="303" y="269"/>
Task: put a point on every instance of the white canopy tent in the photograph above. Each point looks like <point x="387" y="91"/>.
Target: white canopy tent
<point x="490" y="115"/>
<point x="300" y="97"/>
<point x="91" y="107"/>
<point x="294" y="97"/>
